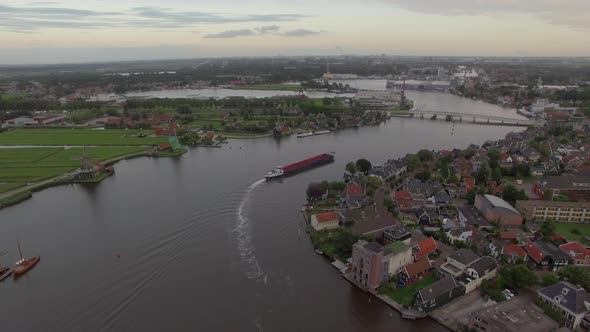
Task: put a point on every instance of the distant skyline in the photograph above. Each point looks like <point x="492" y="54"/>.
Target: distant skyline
<point x="93" y="31"/>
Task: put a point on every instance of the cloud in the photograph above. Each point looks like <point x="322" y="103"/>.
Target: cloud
<point x="39" y="15"/>
<point x="299" y="33"/>
<point x="573" y="13"/>
<point x="268" y="29"/>
<point x="231" y="34"/>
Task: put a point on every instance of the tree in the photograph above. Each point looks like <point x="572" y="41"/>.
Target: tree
<point x="494" y="154"/>
<point x="425" y="155"/>
<point x="184" y="109"/>
<point x="497" y="175"/>
<point x="519" y="276"/>
<point x="363" y="165"/>
<point x="453" y="178"/>
<point x="483" y="174"/>
<point x="548" y="227"/>
<point x="511" y="194"/>
<point x="470" y="196"/>
<point x="351" y="168"/>
<point x="423" y="176"/>
<point x="373" y="182"/>
<point x="576" y="275"/>
<point x="549" y="279"/>
<point x="413" y="161"/>
<point x="315" y="191"/>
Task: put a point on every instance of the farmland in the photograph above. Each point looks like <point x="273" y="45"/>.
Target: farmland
<point x="23" y="165"/>
<point x="77" y="137"/>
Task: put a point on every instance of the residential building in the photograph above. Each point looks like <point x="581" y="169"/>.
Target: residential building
<point x="545" y="256"/>
<point x="442" y="198"/>
<point x="416" y="270"/>
<point x="370" y="267"/>
<point x="580" y="253"/>
<point x="325" y="220"/>
<point x="456" y="191"/>
<point x="354" y="194"/>
<point x="495" y="209"/>
<point x="470" y="215"/>
<point x="573" y="302"/>
<point x="484" y="268"/>
<point x="404" y="199"/>
<point x="458" y="261"/>
<point x="379" y="100"/>
<point x="534" y="210"/>
<point x="422" y="190"/>
<point x="515" y="315"/>
<point x="397" y="233"/>
<point x="423" y="216"/>
<point x="462" y="235"/>
<point x="399" y="255"/>
<point x="424" y="248"/>
<point x="513" y="254"/>
<point x="390" y="169"/>
<point x="438" y="294"/>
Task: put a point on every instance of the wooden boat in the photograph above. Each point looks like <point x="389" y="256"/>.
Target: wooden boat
<point x="24" y="264"/>
<point x="4" y="272"/>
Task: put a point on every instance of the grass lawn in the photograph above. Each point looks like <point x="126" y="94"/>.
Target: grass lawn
<point x="243" y="134"/>
<point x="77" y="137"/>
<point x="566" y="229"/>
<point x="202" y="123"/>
<point x="7" y="186"/>
<point x="405" y="295"/>
<point x="32" y="165"/>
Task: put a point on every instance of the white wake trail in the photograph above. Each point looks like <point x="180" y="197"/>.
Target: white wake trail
<point x="244" y="237"/>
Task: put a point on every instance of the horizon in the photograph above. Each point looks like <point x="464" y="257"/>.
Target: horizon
<point x="67" y="32"/>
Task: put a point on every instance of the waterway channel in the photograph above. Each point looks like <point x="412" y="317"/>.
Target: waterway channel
<point x="201" y="243"/>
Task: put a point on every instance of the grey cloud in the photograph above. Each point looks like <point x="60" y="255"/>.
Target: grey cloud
<point x="35" y="16"/>
<point x="573" y="13"/>
<point x="299" y="33"/>
<point x="263" y="30"/>
<point x="231" y="34"/>
<point x="267" y="29"/>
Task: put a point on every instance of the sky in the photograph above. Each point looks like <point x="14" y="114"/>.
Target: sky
<point x="66" y="31"/>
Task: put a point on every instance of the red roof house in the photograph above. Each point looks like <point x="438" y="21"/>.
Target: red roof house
<point x="508" y="236"/>
<point x="514" y="252"/>
<point x="580" y="253"/>
<point x="404" y="199"/>
<point x="417" y="269"/>
<point x="354" y="189"/>
<point x="534" y="252"/>
<point x="469" y="183"/>
<point x="424" y="248"/>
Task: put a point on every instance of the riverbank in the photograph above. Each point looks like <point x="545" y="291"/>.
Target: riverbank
<point x="20" y="194"/>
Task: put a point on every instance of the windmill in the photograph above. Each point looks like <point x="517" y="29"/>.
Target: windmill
<point x="87" y="167"/>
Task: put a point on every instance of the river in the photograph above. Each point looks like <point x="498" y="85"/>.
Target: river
<point x="201" y="243"/>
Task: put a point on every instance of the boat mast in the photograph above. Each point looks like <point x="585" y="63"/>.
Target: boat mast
<point x="19" y="251"/>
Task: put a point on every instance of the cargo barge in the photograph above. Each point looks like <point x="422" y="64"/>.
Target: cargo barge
<point x="300" y="166"/>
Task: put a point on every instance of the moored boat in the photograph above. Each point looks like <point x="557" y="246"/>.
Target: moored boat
<point x="304" y="134"/>
<point x="321" y="132"/>
<point x="24" y="264"/>
<point x="4" y="272"/>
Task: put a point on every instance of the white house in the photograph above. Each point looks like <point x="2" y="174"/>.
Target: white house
<point x="482" y="269"/>
<point x="325" y="220"/>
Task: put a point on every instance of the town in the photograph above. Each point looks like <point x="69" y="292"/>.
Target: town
<point x="492" y="237"/>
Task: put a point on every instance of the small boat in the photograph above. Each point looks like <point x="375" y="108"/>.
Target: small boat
<point x="304" y="134"/>
<point x="319" y="252"/>
<point x="24" y="264"/>
<point x="4" y="272"/>
<point x="321" y="132"/>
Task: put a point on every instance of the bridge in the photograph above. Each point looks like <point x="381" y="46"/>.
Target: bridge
<point x="474" y="118"/>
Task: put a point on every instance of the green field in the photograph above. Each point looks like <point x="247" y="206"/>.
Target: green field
<point x="77" y="137"/>
<point x="37" y="164"/>
<point x="202" y="123"/>
<point x="7" y="186"/>
<point x="406" y="295"/>
<point x="573" y="232"/>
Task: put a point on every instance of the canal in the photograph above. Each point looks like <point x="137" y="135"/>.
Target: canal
<point x="201" y="243"/>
